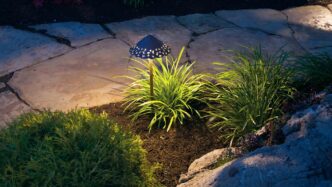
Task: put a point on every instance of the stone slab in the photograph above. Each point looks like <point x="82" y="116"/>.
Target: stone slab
<point x="164" y="28"/>
<point x="268" y="20"/>
<point x="85" y="77"/>
<point x="10" y="107"/>
<point x="2" y="85"/>
<point x="218" y="46"/>
<point x="202" y="23"/>
<point x="19" y="49"/>
<point x="77" y="33"/>
<point x="330" y="6"/>
<point x="312" y="25"/>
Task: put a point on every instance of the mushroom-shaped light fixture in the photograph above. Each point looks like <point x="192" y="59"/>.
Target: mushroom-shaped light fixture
<point x="150" y="48"/>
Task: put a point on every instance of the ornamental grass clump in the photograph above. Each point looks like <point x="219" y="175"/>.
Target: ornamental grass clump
<point x="314" y="70"/>
<point x="73" y="149"/>
<point x="176" y="92"/>
<point x="248" y="93"/>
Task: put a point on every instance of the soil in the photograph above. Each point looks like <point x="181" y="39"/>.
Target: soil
<point x="23" y="12"/>
<point x="174" y="150"/>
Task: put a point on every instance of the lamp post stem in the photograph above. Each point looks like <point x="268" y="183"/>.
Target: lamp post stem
<point x="151" y="77"/>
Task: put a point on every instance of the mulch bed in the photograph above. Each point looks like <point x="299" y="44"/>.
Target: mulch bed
<point x="23" y="12"/>
<point x="175" y="149"/>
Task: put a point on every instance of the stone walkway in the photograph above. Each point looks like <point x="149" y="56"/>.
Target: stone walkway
<point x="62" y="66"/>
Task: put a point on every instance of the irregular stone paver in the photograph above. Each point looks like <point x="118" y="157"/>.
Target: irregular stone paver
<point x="327" y="50"/>
<point x="164" y="28"/>
<point x="2" y="85"/>
<point x="77" y="33"/>
<point x="10" y="107"/>
<point x="82" y="78"/>
<point x="312" y="25"/>
<point x="267" y="20"/>
<point x="202" y="23"/>
<point x="217" y="46"/>
<point x="19" y="49"/>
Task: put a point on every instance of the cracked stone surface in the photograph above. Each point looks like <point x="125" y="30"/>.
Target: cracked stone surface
<point x="19" y="49"/>
<point x="164" y="28"/>
<point x="2" y="85"/>
<point x="303" y="160"/>
<point x="202" y="23"/>
<point x="84" y="77"/>
<point x="77" y="33"/>
<point x="268" y="20"/>
<point x="217" y="46"/>
<point x="10" y="107"/>
<point x="312" y="26"/>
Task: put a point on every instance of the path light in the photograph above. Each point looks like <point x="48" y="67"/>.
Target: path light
<point x="150" y="48"/>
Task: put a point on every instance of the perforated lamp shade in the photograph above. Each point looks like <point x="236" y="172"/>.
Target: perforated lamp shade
<point x="150" y="48"/>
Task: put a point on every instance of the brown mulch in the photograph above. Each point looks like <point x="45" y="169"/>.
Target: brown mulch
<point x="175" y="149"/>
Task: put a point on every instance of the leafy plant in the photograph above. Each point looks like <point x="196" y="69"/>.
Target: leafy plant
<point x="248" y="93"/>
<point x="176" y="91"/>
<point x="73" y="149"/>
<point x="314" y="70"/>
<point x="134" y="3"/>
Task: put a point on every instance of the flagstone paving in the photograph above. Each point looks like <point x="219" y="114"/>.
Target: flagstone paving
<point x="77" y="33"/>
<point x="19" y="49"/>
<point x="83" y="70"/>
<point x="10" y="107"/>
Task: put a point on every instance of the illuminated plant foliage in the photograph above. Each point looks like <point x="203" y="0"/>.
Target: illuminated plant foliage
<point x="248" y="93"/>
<point x="176" y="91"/>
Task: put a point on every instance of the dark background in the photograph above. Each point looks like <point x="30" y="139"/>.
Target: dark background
<point x="21" y="12"/>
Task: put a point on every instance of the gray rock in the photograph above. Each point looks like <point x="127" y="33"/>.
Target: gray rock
<point x="202" y="23"/>
<point x="19" y="49"/>
<point x="268" y="20"/>
<point x="77" y="33"/>
<point x="2" y="85"/>
<point x="164" y="28"/>
<point x="304" y="160"/>
<point x="10" y="107"/>
<point x="219" y="46"/>
<point x="85" y="77"/>
<point x="312" y="25"/>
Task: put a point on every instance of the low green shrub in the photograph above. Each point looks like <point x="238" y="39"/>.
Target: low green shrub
<point x="73" y="149"/>
<point x="176" y="92"/>
<point x="314" y="70"/>
<point x="248" y="93"/>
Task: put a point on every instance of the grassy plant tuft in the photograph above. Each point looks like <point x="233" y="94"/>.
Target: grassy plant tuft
<point x="248" y="93"/>
<point x="176" y="91"/>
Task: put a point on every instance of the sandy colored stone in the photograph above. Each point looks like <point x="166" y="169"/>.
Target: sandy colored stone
<point x="10" y="107"/>
<point x="77" y="33"/>
<point x="312" y="25"/>
<point x="164" y="28"/>
<point x="330" y="6"/>
<point x="268" y="20"/>
<point x="202" y="23"/>
<point x="85" y="77"/>
<point x="217" y="46"/>
<point x="19" y="49"/>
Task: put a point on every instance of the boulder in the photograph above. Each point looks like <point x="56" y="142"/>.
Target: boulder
<point x="305" y="159"/>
